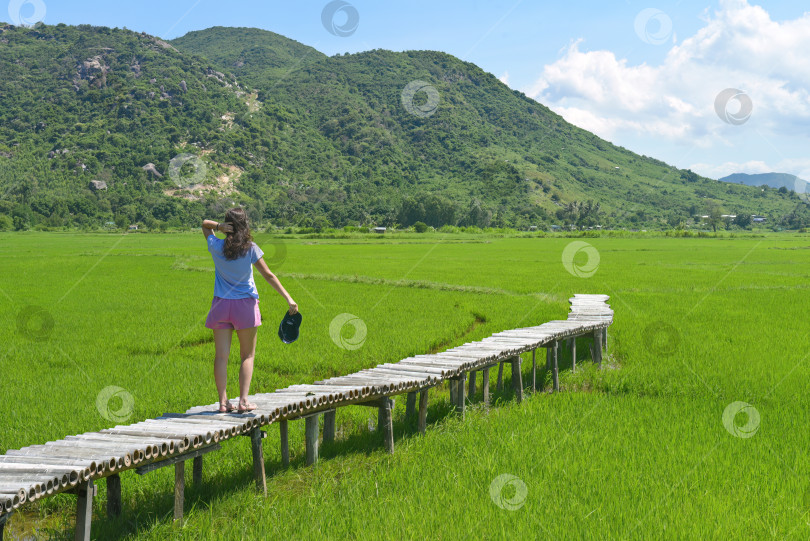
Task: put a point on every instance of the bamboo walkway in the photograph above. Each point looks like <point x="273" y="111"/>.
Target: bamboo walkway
<point x="76" y="463"/>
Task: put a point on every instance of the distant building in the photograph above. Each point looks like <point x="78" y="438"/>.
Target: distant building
<point x="133" y="227"/>
<point x="757" y="219"/>
<point x="555" y="228"/>
<point x="532" y="228"/>
<point x="379" y="230"/>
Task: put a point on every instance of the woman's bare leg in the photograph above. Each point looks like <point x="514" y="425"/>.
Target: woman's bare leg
<point x="222" y="344"/>
<point x="247" y="351"/>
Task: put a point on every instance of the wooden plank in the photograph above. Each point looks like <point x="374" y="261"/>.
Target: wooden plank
<point x="329" y="426"/>
<point x="517" y="379"/>
<point x="179" y="490"/>
<point x="75" y="475"/>
<point x="113" y="495"/>
<point x="285" y="443"/>
<point x="54" y="461"/>
<point x="311" y="434"/>
<point x="110" y="462"/>
<point x="256" y="437"/>
<point x="84" y="510"/>
<point x="423" y="402"/>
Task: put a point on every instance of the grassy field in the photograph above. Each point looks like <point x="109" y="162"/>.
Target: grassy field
<point x="638" y="450"/>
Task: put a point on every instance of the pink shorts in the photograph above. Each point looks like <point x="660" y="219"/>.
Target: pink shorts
<point x="234" y="314"/>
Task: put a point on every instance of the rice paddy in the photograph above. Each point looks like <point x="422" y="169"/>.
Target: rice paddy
<point x="694" y="428"/>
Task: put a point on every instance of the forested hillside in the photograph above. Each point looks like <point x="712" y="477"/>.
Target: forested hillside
<point x="104" y="125"/>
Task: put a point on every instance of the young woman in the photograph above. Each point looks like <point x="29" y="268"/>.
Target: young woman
<point x="236" y="300"/>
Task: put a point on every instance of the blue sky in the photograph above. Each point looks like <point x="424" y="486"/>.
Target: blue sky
<point x="644" y="75"/>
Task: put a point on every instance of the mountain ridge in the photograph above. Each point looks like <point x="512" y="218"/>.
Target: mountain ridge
<point x="301" y="138"/>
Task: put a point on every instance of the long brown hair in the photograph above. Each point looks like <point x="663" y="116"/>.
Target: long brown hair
<point x="237" y="243"/>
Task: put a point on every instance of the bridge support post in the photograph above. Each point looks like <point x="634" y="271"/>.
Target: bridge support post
<point x="485" y="384"/>
<point x="410" y="405"/>
<point x="549" y="347"/>
<point x="256" y="437"/>
<point x="460" y="394"/>
<point x="423" y="402"/>
<point x="574" y="354"/>
<point x="84" y="510"/>
<point x="453" y="391"/>
<point x="329" y="426"/>
<point x="387" y="418"/>
<point x="555" y="371"/>
<point x="196" y="474"/>
<point x="3" y="519"/>
<point x="285" y="442"/>
<point x="311" y="434"/>
<point x="534" y="372"/>
<point x="499" y="384"/>
<point x="471" y="389"/>
<point x="596" y="348"/>
<point x="179" y="490"/>
<point x="517" y="379"/>
<point x="113" y="495"/>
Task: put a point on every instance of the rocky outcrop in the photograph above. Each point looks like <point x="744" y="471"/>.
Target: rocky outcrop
<point x="94" y="71"/>
<point x="150" y="168"/>
<point x="96" y="185"/>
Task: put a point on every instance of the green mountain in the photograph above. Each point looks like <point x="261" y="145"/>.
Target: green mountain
<point x="771" y="180"/>
<point x="102" y="125"/>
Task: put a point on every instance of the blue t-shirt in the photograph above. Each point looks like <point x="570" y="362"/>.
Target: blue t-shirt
<point x="233" y="278"/>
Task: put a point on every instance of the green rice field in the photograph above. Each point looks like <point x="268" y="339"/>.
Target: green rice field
<point x="695" y="428"/>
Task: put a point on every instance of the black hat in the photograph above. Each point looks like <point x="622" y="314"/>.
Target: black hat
<point x="288" y="329"/>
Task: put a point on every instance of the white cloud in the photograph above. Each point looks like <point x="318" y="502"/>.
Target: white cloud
<point x="504" y="78"/>
<point x="739" y="46"/>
